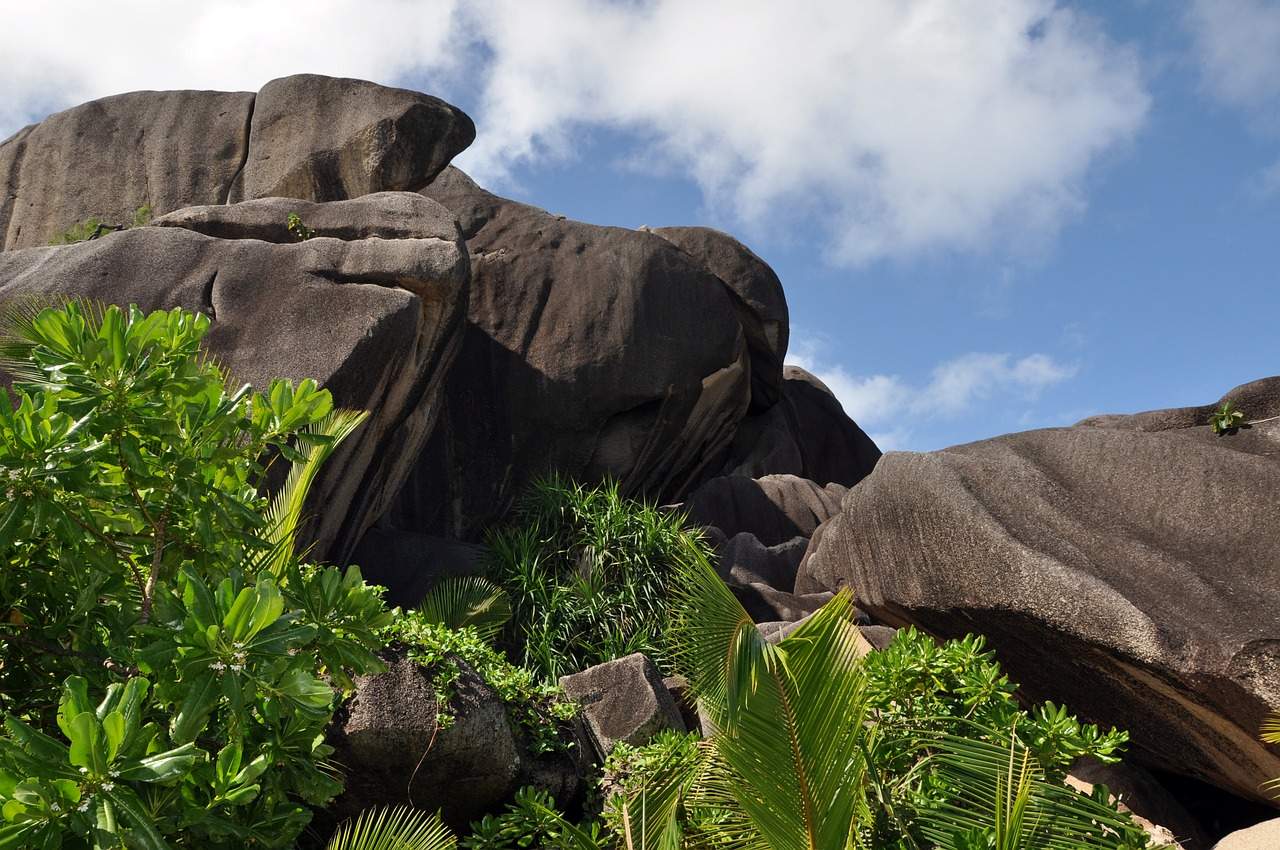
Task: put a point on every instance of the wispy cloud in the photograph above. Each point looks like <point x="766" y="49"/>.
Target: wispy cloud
<point x="1237" y="44"/>
<point x="883" y="128"/>
<point x="881" y="404"/>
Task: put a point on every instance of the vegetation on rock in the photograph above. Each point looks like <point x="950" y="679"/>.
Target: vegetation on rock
<point x="587" y="571"/>
<point x="94" y="227"/>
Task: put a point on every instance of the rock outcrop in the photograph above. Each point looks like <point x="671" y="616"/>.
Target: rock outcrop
<point x="623" y="701"/>
<point x="307" y="136"/>
<point x="395" y="752"/>
<point x="1263" y="836"/>
<point x="594" y="351"/>
<point x="1126" y="567"/>
<point x="371" y="308"/>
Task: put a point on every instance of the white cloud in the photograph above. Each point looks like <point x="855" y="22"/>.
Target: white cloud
<point x="886" y="127"/>
<point x="1237" y="43"/>
<point x="954" y="388"/>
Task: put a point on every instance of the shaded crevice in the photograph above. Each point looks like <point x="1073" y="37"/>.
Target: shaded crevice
<point x="238" y="177"/>
<point x="208" y="296"/>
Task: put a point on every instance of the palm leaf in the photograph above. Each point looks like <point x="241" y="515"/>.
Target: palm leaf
<point x="1271" y="735"/>
<point x="399" y="828"/>
<point x="1001" y="789"/>
<point x="474" y="601"/>
<point x="284" y="516"/>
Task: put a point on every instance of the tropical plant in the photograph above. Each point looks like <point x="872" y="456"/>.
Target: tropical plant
<point x="165" y="657"/>
<point x="1226" y="419"/>
<point x="1271" y="735"/>
<point x="539" y="709"/>
<point x="467" y="601"/>
<point x="587" y="571"/>
<point x="532" y="820"/>
<point x="299" y="231"/>
<point x="798" y="761"/>
<point x="398" y="828"/>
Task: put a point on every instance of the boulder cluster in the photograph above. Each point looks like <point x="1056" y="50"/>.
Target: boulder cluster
<point x="1126" y="566"/>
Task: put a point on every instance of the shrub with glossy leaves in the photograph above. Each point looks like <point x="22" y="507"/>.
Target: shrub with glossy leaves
<point x="163" y="653"/>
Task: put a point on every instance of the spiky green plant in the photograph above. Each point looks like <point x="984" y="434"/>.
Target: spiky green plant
<point x="393" y="828"/>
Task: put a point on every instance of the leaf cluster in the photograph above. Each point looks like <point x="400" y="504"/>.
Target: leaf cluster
<point x="588" y="571"/>
<point x="144" y="571"/>
<point x="94" y="227"/>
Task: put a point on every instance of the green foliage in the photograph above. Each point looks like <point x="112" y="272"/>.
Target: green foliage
<point x="807" y="754"/>
<point x="93" y="227"/>
<point x="1271" y="735"/>
<point x="399" y="828"/>
<point x="1226" y="419"/>
<point x="539" y="709"/>
<point x="587" y="571"/>
<point x="532" y="821"/>
<point x="299" y="231"/>
<point x="462" y="601"/>
<point x="145" y="571"/>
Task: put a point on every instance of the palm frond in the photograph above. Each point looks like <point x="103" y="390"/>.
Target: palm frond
<point x="1000" y="789"/>
<point x="284" y="516"/>
<point x="20" y="334"/>
<point x="1271" y="728"/>
<point x="399" y="828"/>
<point x="459" y="601"/>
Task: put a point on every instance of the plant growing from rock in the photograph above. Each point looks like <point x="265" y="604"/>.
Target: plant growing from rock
<point x="299" y="231"/>
<point x="94" y="227"/>
<point x="587" y="572"/>
<point x="163" y="652"/>
<point x="1226" y="419"/>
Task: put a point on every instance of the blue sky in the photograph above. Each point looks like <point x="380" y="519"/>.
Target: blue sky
<point x="989" y="215"/>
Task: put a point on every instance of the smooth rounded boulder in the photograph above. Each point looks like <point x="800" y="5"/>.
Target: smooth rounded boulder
<point x="1127" y="567"/>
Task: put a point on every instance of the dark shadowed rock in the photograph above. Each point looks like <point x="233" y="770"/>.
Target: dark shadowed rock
<point x="108" y="157"/>
<point x="1129" y="572"/>
<point x="806" y="434"/>
<point x="743" y="559"/>
<point x="775" y="508"/>
<point x="623" y="701"/>
<point x="1140" y="793"/>
<point x="408" y="564"/>
<point x="393" y="752"/>
<point x="767" y="604"/>
<point x="375" y="320"/>
<point x="592" y="351"/>
<point x="329" y="139"/>
<point x="761" y="303"/>
<point x="307" y="136"/>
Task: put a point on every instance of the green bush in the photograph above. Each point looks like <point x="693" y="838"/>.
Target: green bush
<point x="539" y="709"/>
<point x="587" y="572"/>
<point x="94" y="227"/>
<point x="532" y="820"/>
<point x="165" y="660"/>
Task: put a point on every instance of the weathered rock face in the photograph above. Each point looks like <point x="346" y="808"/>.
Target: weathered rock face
<point x="806" y="434"/>
<point x="1264" y="836"/>
<point x="375" y="320"/>
<point x="1129" y="571"/>
<point x="394" y="752"/>
<point x="762" y="306"/>
<point x="623" y="701"/>
<point x="594" y="351"/>
<point x="774" y="508"/>
<point x="306" y="136"/>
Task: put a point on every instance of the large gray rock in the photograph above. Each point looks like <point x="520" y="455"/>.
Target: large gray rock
<point x="593" y="351"/>
<point x="108" y="157"/>
<point x="775" y="508"/>
<point x="1128" y="571"/>
<point x="805" y="434"/>
<point x="623" y="701"/>
<point x="306" y="136"/>
<point x="393" y="751"/>
<point x="329" y="139"/>
<point x="1263" y="836"/>
<point x="375" y="320"/>
<point x="761" y="304"/>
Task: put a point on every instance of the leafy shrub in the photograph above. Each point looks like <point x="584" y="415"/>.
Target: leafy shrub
<point x="93" y="227"/>
<point x="539" y="709"/>
<point x="532" y="820"/>
<point x="587" y="571"/>
<point x="299" y="231"/>
<point x="163" y="653"/>
<point x="1226" y="419"/>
